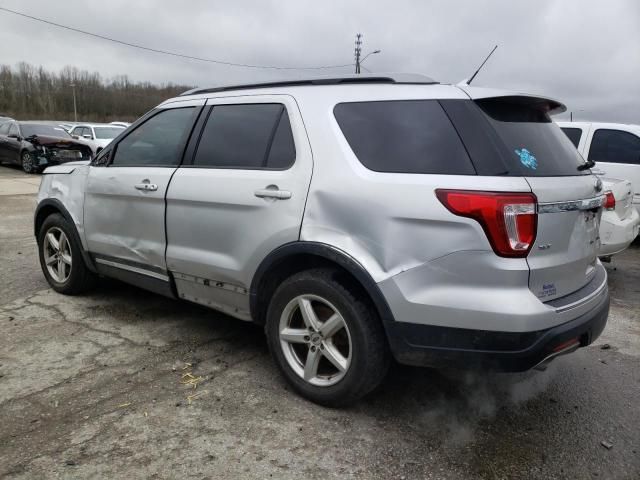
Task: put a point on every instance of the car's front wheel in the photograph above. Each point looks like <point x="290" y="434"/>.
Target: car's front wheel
<point x="61" y="258"/>
<point x="27" y="162"/>
<point x="326" y="338"/>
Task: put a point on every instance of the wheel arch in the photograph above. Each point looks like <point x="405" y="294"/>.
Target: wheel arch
<point x="50" y="206"/>
<point x="295" y="257"/>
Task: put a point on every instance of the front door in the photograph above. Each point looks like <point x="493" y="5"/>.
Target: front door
<point x="242" y="196"/>
<point x="125" y="193"/>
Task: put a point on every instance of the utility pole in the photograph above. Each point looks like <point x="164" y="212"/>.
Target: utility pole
<point x="75" y="111"/>
<point x="358" y="51"/>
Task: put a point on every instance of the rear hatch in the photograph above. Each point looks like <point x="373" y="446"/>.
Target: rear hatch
<point x="522" y="141"/>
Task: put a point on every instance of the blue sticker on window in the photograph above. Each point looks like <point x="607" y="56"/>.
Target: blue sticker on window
<point x="527" y="158"/>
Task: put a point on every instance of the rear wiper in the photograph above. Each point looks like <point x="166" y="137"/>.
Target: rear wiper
<point x="587" y="165"/>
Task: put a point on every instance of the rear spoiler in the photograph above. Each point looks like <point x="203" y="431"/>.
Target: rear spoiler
<point x="549" y="105"/>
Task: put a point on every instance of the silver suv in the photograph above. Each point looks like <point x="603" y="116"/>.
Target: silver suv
<point x="358" y="219"/>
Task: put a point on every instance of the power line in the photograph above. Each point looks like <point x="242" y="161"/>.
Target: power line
<point x="166" y="52"/>
<point x="358" y="51"/>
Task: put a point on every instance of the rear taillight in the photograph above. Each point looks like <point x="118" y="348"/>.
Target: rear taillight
<point x="508" y="219"/>
<point x="609" y="201"/>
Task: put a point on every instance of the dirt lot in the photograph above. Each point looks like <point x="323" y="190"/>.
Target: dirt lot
<point x="98" y="387"/>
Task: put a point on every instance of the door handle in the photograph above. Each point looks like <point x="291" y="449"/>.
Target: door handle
<point x="147" y="187"/>
<point x="272" y="191"/>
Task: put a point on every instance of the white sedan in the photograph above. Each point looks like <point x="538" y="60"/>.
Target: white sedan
<point x="96" y="135"/>
<point x="620" y="220"/>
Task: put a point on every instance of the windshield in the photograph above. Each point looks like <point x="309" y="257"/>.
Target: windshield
<point x="535" y="146"/>
<point x="30" y="129"/>
<point x="107" y="132"/>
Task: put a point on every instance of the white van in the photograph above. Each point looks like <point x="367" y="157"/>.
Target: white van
<point x="615" y="148"/>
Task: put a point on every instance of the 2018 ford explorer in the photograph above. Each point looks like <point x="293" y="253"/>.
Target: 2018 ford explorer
<point x="358" y="219"/>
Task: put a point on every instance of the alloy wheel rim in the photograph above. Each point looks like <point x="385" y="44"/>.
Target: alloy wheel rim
<point x="57" y="254"/>
<point x="27" y="162"/>
<point x="315" y="340"/>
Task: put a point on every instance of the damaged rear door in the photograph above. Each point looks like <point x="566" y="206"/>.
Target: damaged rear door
<point x="124" y="207"/>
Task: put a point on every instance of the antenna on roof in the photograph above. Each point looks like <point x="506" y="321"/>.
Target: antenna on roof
<point x="468" y="82"/>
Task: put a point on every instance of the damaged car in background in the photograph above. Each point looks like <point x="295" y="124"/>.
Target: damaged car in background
<point x="35" y="146"/>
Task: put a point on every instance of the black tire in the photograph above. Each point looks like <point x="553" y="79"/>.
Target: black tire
<point x="80" y="278"/>
<point x="370" y="357"/>
<point x="26" y="161"/>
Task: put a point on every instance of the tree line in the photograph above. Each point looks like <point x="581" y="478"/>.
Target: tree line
<point x="28" y="92"/>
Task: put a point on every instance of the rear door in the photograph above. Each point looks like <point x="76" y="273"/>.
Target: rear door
<point x="124" y="203"/>
<point x="4" y="131"/>
<point x="617" y="155"/>
<point x="239" y="196"/>
<point x="564" y="256"/>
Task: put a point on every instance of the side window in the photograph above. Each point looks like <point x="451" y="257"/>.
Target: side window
<point x="615" y="146"/>
<point x="13" y="129"/>
<point x="4" y="128"/>
<point x="159" y="141"/>
<point x="574" y="134"/>
<point x="405" y="136"/>
<point x="249" y="136"/>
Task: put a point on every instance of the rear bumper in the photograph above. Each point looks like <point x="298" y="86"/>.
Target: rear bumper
<point x="616" y="234"/>
<point x="439" y="346"/>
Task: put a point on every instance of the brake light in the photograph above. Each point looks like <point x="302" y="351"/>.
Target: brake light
<point x="609" y="201"/>
<point x="509" y="220"/>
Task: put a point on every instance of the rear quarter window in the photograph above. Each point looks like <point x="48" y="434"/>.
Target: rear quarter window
<point x="404" y="136"/>
<point x="573" y="134"/>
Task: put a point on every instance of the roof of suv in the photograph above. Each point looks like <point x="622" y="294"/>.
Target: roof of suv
<point x="398" y="78"/>
<point x="404" y="80"/>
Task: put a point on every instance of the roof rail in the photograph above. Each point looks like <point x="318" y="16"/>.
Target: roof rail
<point x="402" y="78"/>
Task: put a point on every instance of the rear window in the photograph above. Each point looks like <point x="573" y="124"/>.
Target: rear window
<point x="535" y="146"/>
<point x="573" y="134"/>
<point x="405" y="136"/>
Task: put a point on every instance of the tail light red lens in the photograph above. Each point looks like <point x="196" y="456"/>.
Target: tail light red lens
<point x="509" y="220"/>
<point x="610" y="201"/>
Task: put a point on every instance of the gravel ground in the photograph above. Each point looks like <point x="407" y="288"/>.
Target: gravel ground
<point x="97" y="387"/>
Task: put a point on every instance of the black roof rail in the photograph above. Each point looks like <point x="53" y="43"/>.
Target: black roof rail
<point x="402" y="78"/>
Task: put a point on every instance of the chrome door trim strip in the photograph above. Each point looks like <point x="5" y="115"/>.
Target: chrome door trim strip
<point x="133" y="269"/>
<point x="572" y="205"/>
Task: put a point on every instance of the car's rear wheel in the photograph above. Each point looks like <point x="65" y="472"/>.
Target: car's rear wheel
<point x="61" y="258"/>
<point x="27" y="162"/>
<point x="326" y="338"/>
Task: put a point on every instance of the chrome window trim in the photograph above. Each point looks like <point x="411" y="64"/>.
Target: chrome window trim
<point x="572" y="205"/>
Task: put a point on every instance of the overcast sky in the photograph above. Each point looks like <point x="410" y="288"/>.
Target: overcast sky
<point x="585" y="53"/>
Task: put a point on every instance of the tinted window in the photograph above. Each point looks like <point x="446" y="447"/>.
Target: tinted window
<point x="530" y="143"/>
<point x="158" y="141"/>
<point x="106" y="133"/>
<point x="615" y="146"/>
<point x="413" y="136"/>
<point x="29" y="129"/>
<point x="246" y="136"/>
<point x="574" y="134"/>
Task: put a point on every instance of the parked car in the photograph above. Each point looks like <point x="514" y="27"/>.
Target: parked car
<point x="120" y="124"/>
<point x="355" y="218"/>
<point x="34" y="145"/>
<point x="4" y="119"/>
<point x="96" y="135"/>
<point x="620" y="221"/>
<point x="615" y="147"/>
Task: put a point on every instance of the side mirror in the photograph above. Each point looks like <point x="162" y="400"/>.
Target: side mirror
<point x="88" y="137"/>
<point x="13" y="135"/>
